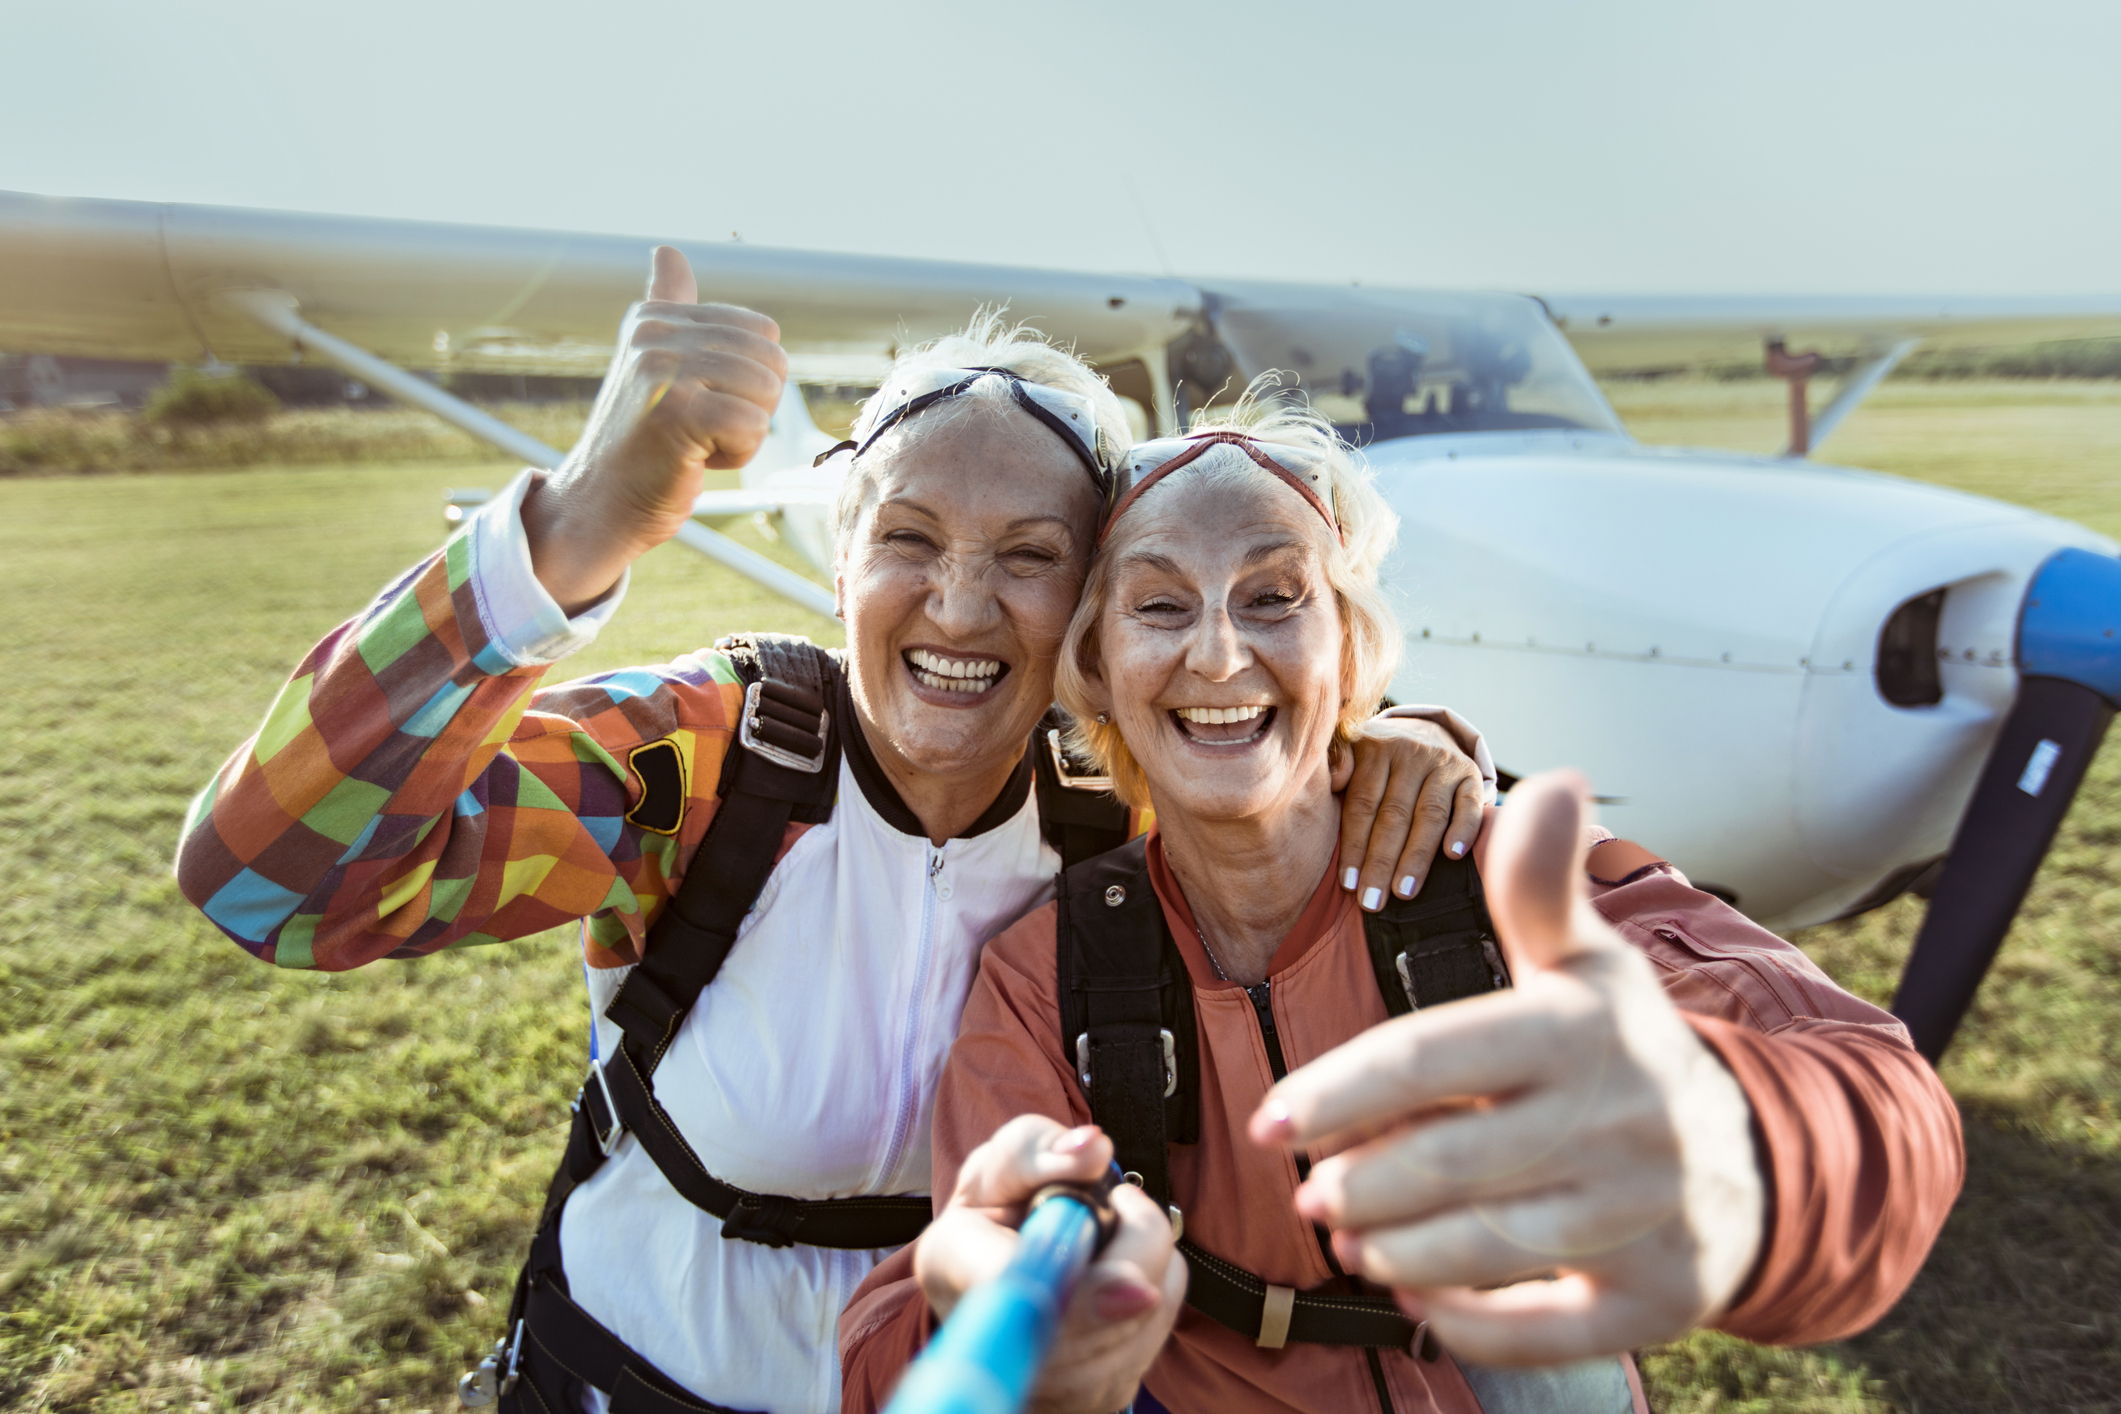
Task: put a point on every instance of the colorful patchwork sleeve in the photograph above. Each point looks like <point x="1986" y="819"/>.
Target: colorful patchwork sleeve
<point x="414" y="787"/>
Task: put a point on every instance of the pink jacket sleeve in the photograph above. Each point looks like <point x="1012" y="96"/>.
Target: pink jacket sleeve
<point x="1858" y="1139"/>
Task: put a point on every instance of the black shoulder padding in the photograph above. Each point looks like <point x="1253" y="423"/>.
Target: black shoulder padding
<point x="1439" y="945"/>
<point x="802" y="671"/>
<point x="1122" y="988"/>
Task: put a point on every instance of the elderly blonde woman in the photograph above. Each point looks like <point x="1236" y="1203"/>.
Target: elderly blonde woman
<point x="787" y="861"/>
<point x="1670" y="1118"/>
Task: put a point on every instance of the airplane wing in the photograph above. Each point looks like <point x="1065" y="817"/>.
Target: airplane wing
<point x="1649" y="333"/>
<point x="1419" y="375"/>
<point x="125" y="279"/>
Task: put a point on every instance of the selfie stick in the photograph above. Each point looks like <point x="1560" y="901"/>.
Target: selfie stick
<point x="988" y="1354"/>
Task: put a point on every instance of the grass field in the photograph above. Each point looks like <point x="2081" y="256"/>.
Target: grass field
<point x="226" y="1187"/>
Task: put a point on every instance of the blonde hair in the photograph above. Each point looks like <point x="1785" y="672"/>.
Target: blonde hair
<point x="1370" y="642"/>
<point x="987" y="342"/>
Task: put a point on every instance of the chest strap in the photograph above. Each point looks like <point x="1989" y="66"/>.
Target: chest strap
<point x="1127" y="1015"/>
<point x="1274" y="1316"/>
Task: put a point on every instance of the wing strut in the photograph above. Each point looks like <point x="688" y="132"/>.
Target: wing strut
<point x="1806" y="431"/>
<point x="2070" y="684"/>
<point x="276" y="310"/>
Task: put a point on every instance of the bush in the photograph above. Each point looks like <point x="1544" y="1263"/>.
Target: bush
<point x="194" y="397"/>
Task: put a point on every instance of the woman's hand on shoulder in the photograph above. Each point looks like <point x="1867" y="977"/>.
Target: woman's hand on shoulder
<point x="1407" y="792"/>
<point x="1571" y="1136"/>
<point x="1125" y="1304"/>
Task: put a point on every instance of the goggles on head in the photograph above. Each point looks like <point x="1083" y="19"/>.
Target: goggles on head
<point x="1070" y="415"/>
<point x="1151" y="462"/>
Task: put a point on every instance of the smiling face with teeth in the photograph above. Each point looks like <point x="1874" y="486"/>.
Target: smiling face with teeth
<point x="1219" y="648"/>
<point x="956" y="580"/>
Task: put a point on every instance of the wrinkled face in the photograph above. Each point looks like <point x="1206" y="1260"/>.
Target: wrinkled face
<point x="957" y="581"/>
<point x="1220" y="646"/>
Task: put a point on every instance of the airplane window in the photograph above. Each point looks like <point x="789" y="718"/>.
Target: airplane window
<point x="1385" y="364"/>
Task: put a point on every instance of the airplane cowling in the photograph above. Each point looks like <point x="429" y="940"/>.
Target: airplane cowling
<point x="1699" y="634"/>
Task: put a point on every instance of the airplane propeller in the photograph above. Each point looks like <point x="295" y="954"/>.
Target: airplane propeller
<point x="2069" y="662"/>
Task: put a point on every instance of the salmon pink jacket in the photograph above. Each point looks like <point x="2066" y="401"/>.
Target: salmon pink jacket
<point x="1858" y="1141"/>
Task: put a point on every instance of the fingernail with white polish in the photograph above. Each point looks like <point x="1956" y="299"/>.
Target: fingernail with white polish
<point x="1458" y="849"/>
<point x="1347" y="880"/>
<point x="1406" y="886"/>
<point x="1372" y="897"/>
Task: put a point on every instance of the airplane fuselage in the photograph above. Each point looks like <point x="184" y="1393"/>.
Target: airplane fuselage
<point x="1701" y="634"/>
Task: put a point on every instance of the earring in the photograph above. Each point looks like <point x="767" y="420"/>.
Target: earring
<point x="1104" y="719"/>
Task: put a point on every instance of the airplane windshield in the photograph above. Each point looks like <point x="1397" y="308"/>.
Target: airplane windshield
<point x="1385" y="364"/>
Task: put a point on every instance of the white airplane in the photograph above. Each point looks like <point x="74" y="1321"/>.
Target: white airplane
<point x="1812" y="687"/>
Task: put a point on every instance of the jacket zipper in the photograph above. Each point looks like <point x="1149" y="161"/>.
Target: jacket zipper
<point x="1262" y="997"/>
<point x="917" y="1010"/>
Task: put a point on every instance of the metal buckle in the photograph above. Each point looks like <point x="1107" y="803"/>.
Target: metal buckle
<point x="608" y="1140"/>
<point x="747" y="733"/>
<point x="513" y="1371"/>
<point x="1497" y="972"/>
<point x="1082" y="1061"/>
<point x="496" y="1374"/>
<point x="1060" y="767"/>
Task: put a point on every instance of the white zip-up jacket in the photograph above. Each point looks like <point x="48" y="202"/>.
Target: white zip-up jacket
<point x="416" y="786"/>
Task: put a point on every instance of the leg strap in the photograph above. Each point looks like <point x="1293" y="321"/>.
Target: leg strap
<point x="562" y="1348"/>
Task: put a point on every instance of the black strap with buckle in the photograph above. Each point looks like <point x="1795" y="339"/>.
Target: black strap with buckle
<point x="1123" y="997"/>
<point x="783" y="767"/>
<point x="1438" y="946"/>
<point x="1236" y="1298"/>
<point x="556" y="1348"/>
<point x="1124" y="989"/>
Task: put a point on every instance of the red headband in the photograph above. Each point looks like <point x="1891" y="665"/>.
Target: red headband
<point x="1201" y="443"/>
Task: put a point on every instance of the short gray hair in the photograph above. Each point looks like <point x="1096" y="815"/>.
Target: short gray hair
<point x="987" y="342"/>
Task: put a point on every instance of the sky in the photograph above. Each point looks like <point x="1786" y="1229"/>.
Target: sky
<point x="1652" y="146"/>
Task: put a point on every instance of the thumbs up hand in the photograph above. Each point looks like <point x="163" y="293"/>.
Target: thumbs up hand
<point x="691" y="386"/>
<point x="1571" y="1136"/>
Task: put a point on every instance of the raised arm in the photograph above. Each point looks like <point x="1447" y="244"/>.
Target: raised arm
<point x="411" y="787"/>
<point x="1697" y="1128"/>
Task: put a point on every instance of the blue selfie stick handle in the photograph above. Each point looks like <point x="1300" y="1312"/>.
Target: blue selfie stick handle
<point x="987" y="1355"/>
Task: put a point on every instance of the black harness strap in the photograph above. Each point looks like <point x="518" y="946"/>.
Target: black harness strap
<point x="559" y="1348"/>
<point x="776" y="767"/>
<point x="1438" y="946"/>
<point x="1234" y="1297"/>
<point x="1127" y="1013"/>
<point x="1124" y="990"/>
<point x="1077" y="812"/>
<point x="784" y="767"/>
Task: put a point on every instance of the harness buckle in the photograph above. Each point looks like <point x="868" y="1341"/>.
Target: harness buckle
<point x="753" y="722"/>
<point x="607" y="1137"/>
<point x="495" y="1376"/>
<point x="1064" y="771"/>
<point x="1082" y="1061"/>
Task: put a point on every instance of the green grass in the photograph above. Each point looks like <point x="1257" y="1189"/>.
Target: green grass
<point x="223" y="1186"/>
<point x="64" y="441"/>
